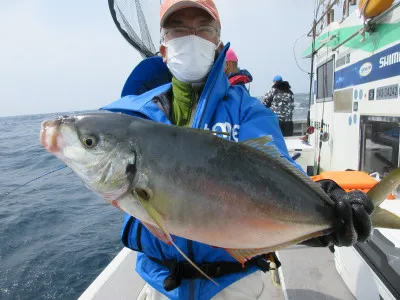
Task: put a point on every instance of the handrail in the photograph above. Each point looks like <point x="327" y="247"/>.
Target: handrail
<point x="323" y="15"/>
<point x="360" y="31"/>
<point x="372" y="21"/>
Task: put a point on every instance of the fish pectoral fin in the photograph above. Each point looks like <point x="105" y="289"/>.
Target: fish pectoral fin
<point x="157" y="217"/>
<point x="157" y="232"/>
<point x="385" y="219"/>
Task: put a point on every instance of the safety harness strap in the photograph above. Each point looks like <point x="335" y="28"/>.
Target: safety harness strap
<point x="184" y="270"/>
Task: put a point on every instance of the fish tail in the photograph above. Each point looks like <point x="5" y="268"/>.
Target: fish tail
<point x="383" y="188"/>
<point x="385" y="219"/>
<point x="381" y="217"/>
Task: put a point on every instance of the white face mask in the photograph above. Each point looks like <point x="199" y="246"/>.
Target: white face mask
<point x="190" y="58"/>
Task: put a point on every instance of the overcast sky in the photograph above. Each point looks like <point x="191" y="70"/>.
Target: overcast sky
<point x="58" y="56"/>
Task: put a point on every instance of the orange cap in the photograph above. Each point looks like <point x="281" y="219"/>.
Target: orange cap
<point x="171" y="6"/>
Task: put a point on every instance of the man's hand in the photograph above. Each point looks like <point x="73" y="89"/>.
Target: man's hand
<point x="351" y="219"/>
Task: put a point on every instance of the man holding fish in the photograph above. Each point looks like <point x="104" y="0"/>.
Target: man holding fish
<point x="222" y="182"/>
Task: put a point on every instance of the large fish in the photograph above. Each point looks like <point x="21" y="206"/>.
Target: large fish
<point x="243" y="197"/>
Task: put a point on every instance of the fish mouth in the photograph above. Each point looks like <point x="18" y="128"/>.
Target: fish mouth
<point x="48" y="136"/>
<point x="50" y="131"/>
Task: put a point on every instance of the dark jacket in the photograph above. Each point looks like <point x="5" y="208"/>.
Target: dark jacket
<point x="281" y="100"/>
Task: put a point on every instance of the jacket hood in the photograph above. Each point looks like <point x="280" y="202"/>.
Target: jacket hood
<point x="242" y="72"/>
<point x="151" y="76"/>
<point x="283" y="86"/>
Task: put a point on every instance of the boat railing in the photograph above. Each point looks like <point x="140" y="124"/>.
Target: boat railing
<point x="299" y="127"/>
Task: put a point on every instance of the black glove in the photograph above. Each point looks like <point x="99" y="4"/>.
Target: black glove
<point x="351" y="223"/>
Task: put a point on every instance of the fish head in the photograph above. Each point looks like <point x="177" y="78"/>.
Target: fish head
<point x="96" y="147"/>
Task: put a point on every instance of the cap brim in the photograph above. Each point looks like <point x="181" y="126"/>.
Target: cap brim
<point x="181" y="5"/>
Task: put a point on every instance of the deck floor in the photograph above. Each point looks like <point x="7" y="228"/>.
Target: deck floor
<point x="307" y="273"/>
<point x="310" y="273"/>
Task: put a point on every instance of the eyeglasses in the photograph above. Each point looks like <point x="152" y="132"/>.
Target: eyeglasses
<point x="207" y="32"/>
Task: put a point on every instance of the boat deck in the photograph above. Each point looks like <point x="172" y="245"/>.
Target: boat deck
<point x="306" y="273"/>
<point x="310" y="273"/>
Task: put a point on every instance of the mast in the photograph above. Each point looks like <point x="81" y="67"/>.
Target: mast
<point x="313" y="31"/>
<point x="311" y="71"/>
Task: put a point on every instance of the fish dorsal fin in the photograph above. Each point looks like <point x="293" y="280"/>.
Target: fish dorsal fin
<point x="219" y="132"/>
<point x="260" y="144"/>
<point x="210" y="131"/>
<point x="265" y="145"/>
<point x="157" y="217"/>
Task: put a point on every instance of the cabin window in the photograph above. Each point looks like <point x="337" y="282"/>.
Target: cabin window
<point x="325" y="75"/>
<point x="380" y="144"/>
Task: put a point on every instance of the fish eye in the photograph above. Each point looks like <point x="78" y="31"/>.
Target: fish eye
<point x="89" y="141"/>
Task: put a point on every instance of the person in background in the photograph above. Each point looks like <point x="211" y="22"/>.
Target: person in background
<point x="280" y="99"/>
<point x="235" y="75"/>
<point x="187" y="87"/>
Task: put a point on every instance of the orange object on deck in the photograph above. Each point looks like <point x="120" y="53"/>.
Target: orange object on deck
<point x="350" y="180"/>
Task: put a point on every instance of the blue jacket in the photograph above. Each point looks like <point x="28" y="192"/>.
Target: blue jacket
<point x="221" y="107"/>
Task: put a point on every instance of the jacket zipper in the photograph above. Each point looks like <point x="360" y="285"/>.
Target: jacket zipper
<point x="195" y="101"/>
<point x="206" y="103"/>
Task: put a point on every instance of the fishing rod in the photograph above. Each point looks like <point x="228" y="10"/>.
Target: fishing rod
<point x="26" y="183"/>
<point x="313" y="31"/>
<point x="322" y="127"/>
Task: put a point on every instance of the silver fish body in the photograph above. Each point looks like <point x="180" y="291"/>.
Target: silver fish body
<point x="206" y="188"/>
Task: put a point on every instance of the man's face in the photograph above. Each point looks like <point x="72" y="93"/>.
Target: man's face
<point x="189" y="21"/>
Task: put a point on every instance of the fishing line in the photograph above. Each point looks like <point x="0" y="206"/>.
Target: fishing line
<point x="325" y="87"/>
<point x="52" y="171"/>
<point x="295" y="56"/>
